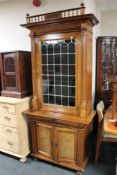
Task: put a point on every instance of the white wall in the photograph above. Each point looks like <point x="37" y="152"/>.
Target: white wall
<point x="93" y="8"/>
<point x="109" y="24"/>
<point x="13" y="12"/>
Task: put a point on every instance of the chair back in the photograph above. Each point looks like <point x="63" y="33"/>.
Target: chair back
<point x="100" y="109"/>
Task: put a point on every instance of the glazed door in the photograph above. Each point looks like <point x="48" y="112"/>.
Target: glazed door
<point x="44" y="134"/>
<point x="10" y="69"/>
<point x="65" y="145"/>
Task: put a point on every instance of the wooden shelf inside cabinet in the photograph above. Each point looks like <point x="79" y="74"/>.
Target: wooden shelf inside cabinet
<point x="62" y="112"/>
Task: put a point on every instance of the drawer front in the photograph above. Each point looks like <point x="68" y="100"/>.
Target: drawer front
<point x="9" y="139"/>
<point x="7" y="107"/>
<point x="8" y="119"/>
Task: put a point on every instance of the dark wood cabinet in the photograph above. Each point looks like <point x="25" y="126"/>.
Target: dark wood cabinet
<point x="106" y="68"/>
<point x="62" y="111"/>
<point x="16" y="74"/>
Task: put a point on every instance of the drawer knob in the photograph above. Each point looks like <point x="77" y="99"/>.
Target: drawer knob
<point x="8" y="130"/>
<point x="6" y="107"/>
<point x="10" y="143"/>
<point x="7" y="118"/>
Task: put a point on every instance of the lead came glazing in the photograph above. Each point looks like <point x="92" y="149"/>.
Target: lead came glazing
<point x="58" y="72"/>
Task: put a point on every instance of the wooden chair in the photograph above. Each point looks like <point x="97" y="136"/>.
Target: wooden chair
<point x="107" y="132"/>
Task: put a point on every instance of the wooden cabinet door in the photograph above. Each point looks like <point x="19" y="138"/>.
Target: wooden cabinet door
<point x="65" y="145"/>
<point x="44" y="134"/>
<point x="10" y="68"/>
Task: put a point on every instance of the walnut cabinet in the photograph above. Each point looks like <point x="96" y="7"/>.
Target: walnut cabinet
<point x="106" y="68"/>
<point x="16" y="77"/>
<point x="62" y="112"/>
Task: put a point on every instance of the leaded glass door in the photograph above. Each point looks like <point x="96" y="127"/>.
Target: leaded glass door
<point x="58" y="72"/>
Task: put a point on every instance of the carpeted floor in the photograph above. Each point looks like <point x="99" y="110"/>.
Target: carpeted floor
<point x="12" y="166"/>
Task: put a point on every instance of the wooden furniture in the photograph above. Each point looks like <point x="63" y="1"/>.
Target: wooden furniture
<point x="62" y="112"/>
<point x="13" y="127"/>
<point x="107" y="128"/>
<point x="106" y="68"/>
<point x="16" y="77"/>
<point x="114" y="99"/>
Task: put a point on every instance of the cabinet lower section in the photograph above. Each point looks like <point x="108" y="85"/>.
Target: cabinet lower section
<point x="63" y="144"/>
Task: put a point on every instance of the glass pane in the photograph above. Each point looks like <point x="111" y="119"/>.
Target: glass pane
<point x="64" y="59"/>
<point x="44" y="49"/>
<point x="45" y="98"/>
<point x="71" y="101"/>
<point x="64" y="69"/>
<point x="65" y="80"/>
<point x="71" y="70"/>
<point x="109" y="62"/>
<point x="71" y="48"/>
<point x="64" y="91"/>
<point x="58" y="72"/>
<point x="10" y="80"/>
<point x="72" y="59"/>
<point x="57" y="48"/>
<point x="71" y="80"/>
<point x="44" y="59"/>
<point x="58" y="100"/>
<point x="50" y="69"/>
<point x="44" y="69"/>
<point x="71" y="91"/>
<point x="58" y="90"/>
<point x="50" y="59"/>
<point x="65" y="101"/>
<point x="57" y="59"/>
<point x="45" y="89"/>
<point x="57" y="69"/>
<point x="57" y="80"/>
<point x="64" y="48"/>
<point x="51" y="99"/>
<point x="9" y="64"/>
<point x="50" y="49"/>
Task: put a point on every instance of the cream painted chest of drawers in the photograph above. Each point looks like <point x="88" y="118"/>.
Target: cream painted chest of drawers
<point x="14" y="127"/>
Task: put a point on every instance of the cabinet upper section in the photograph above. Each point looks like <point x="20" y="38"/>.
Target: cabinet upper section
<point x="61" y="21"/>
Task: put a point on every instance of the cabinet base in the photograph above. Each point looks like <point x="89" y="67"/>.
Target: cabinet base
<point x="77" y="168"/>
<point x="16" y="94"/>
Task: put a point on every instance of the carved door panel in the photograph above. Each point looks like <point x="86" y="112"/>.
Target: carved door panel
<point x="44" y="134"/>
<point x="65" y="145"/>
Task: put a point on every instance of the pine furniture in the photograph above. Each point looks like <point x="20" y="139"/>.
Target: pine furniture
<point x="62" y="114"/>
<point x="14" y="138"/>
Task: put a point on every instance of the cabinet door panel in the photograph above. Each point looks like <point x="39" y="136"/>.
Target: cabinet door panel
<point x="44" y="140"/>
<point x="65" y="142"/>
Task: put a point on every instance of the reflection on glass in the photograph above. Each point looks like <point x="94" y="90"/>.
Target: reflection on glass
<point x="58" y="72"/>
<point x="109" y="62"/>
